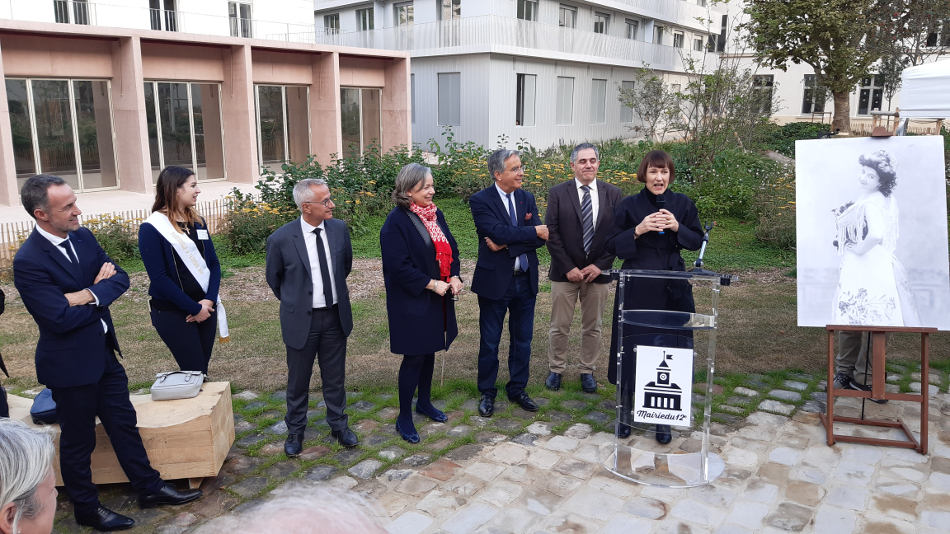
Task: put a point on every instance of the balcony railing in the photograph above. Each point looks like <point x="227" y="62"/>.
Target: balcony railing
<point x="164" y="20"/>
<point x="492" y="33"/>
<point x="73" y="12"/>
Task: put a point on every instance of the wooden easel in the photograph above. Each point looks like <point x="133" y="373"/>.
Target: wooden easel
<point x="878" y="374"/>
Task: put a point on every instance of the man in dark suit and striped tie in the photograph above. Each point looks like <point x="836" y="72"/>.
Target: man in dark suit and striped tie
<point x="578" y="216"/>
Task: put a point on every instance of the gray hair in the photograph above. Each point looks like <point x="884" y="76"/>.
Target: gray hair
<point x="33" y="194"/>
<point x="304" y="193"/>
<point x="408" y="177"/>
<point x="302" y="509"/>
<point x="583" y="146"/>
<point x="26" y="456"/>
<point x="496" y="162"/>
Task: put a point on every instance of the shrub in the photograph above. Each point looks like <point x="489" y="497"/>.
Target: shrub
<point x="774" y="204"/>
<point x="117" y="235"/>
<point x="782" y="138"/>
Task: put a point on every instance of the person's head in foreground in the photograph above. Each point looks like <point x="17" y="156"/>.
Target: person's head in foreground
<point x="27" y="484"/>
<point x="877" y="172"/>
<point x="656" y="171"/>
<point x="302" y="509"/>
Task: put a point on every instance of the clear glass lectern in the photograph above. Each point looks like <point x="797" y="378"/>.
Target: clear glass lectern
<point x="655" y="366"/>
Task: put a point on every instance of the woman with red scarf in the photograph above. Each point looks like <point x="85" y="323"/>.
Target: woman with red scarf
<point x="421" y="273"/>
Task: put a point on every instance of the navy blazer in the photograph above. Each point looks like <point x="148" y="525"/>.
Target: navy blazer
<point x="420" y="321"/>
<point x="289" y="277"/>
<point x="494" y="270"/>
<point x="43" y="275"/>
<point x="159" y="259"/>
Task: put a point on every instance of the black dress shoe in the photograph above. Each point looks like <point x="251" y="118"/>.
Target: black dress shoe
<point x="553" y="382"/>
<point x="105" y="520"/>
<point x="293" y="445"/>
<point x="411" y="437"/>
<point x="168" y="495"/>
<point x="664" y="434"/>
<point x="522" y="399"/>
<point x="486" y="406"/>
<point x="433" y="413"/>
<point x="346" y="437"/>
<point x="588" y="384"/>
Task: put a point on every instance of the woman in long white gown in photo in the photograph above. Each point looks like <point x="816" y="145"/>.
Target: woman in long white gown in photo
<point x="872" y="284"/>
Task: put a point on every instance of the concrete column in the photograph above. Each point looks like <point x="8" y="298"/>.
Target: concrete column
<point x="9" y="196"/>
<point x="396" y="106"/>
<point x="325" y="117"/>
<point x="131" y="125"/>
<point x="240" y="118"/>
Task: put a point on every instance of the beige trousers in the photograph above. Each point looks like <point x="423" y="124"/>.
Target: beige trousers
<point x="854" y="355"/>
<point x="564" y="296"/>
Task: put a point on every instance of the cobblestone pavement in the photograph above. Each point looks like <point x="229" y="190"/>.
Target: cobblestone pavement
<point x="542" y="473"/>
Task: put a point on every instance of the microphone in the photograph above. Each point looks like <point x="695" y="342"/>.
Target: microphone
<point x="660" y="204"/>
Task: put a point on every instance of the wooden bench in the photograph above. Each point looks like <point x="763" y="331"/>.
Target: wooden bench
<point x="184" y="439"/>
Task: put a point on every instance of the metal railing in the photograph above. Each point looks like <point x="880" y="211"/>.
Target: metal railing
<point x="164" y="19"/>
<point x="73" y="12"/>
<point x="492" y="33"/>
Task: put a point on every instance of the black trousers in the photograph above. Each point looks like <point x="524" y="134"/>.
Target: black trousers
<point x="326" y="343"/>
<point x="191" y="343"/>
<point x="77" y="408"/>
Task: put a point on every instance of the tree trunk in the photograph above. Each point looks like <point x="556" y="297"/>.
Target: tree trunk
<point x="842" y="120"/>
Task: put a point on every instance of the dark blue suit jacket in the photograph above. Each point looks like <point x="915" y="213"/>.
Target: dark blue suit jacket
<point x="159" y="259"/>
<point x="65" y="353"/>
<point x="494" y="270"/>
<point x="420" y="321"/>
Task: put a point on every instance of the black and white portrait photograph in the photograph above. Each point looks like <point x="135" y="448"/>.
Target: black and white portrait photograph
<point x="872" y="232"/>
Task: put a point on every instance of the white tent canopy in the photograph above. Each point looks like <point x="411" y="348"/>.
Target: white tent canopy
<point x="925" y="91"/>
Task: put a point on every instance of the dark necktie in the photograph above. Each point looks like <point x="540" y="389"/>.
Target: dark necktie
<point x="324" y="269"/>
<point x="587" y="215"/>
<point x="77" y="270"/>
<point x="522" y="259"/>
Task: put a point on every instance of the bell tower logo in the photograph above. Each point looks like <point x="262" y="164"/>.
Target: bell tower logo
<point x="658" y="397"/>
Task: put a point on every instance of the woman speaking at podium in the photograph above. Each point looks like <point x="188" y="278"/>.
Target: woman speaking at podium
<point x="648" y="232"/>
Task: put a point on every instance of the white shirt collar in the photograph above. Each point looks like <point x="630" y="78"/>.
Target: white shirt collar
<point x="308" y="228"/>
<point x="54" y="239"/>
<point x="502" y="191"/>
<point x="592" y="184"/>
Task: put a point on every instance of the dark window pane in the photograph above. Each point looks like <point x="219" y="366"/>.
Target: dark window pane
<point x="17" y="103"/>
<point x="94" y="127"/>
<point x="54" y="130"/>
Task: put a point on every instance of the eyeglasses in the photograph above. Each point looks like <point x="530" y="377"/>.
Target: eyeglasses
<point x="326" y="202"/>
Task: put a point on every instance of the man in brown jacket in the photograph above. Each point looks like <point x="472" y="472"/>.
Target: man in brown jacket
<point x="578" y="217"/>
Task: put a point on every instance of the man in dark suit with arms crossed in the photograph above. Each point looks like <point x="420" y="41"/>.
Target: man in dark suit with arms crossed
<point x="506" y="277"/>
<point x="67" y="283"/>
<point x="578" y="216"/>
<point x="308" y="260"/>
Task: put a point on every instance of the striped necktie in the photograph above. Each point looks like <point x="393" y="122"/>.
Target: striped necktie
<point x="587" y="217"/>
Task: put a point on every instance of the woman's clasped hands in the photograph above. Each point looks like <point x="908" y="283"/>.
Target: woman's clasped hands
<point x="658" y="222"/>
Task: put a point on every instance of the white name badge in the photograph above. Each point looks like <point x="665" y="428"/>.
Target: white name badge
<point x="203" y="235"/>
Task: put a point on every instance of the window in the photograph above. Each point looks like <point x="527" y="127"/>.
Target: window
<point x="331" y="24"/>
<point x="678" y="39"/>
<point x="701" y="3"/>
<point x="698" y="44"/>
<point x="412" y="96"/>
<point x="601" y="22"/>
<point x="567" y="17"/>
<point x="524" y="99"/>
<point x="721" y="40"/>
<point x="658" y="32"/>
<point x="283" y="124"/>
<point x="763" y="86"/>
<point x="626" y="112"/>
<point x="872" y="92"/>
<point x="360" y="114"/>
<point x="632" y="27"/>
<point x="451" y="9"/>
<point x="528" y="10"/>
<point x="813" y="101"/>
<point x="935" y="38"/>
<point x="79" y="12"/>
<point x="185" y="127"/>
<point x="364" y="20"/>
<point x="62" y="127"/>
<point x="239" y="15"/>
<point x="565" y="101"/>
<point x="598" y="101"/>
<point x="163" y="16"/>
<point x="450" y="99"/>
<point x="404" y="14"/>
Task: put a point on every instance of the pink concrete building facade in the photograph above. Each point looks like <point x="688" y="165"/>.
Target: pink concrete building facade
<point x="107" y="108"/>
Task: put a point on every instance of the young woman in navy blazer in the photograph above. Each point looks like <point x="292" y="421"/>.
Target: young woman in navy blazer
<point x="182" y="312"/>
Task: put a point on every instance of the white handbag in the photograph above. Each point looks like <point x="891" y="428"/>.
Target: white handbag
<point x="177" y="385"/>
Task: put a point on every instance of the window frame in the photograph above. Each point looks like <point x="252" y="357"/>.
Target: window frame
<point x="366" y="19"/>
<point x="558" y="119"/>
<point x="527" y="10"/>
<point x="447" y="121"/>
<point x="521" y="107"/>
<point x="566" y="8"/>
<point x="635" y="24"/>
<point x="601" y="19"/>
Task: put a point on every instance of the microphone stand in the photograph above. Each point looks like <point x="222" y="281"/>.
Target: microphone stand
<point x="725" y="280"/>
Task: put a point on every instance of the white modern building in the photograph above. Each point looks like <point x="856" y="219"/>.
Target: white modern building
<point x="546" y="71"/>
<point x="798" y="101"/>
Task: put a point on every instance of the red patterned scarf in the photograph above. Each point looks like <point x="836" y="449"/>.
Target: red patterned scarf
<point x="443" y="251"/>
